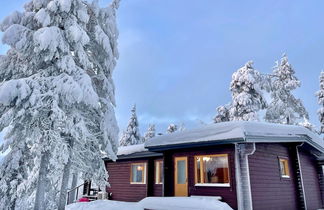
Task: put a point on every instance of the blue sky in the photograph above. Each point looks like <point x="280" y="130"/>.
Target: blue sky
<point x="177" y="57"/>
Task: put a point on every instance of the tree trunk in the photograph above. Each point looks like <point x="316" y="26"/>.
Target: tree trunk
<point x="65" y="179"/>
<point x="41" y="183"/>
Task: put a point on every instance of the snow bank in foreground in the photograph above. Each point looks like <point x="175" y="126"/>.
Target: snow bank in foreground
<point x="126" y="150"/>
<point x="104" y="205"/>
<point x="156" y="203"/>
<point x="183" y="203"/>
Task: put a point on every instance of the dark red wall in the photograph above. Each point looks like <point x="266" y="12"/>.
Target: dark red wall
<point x="269" y="189"/>
<point x="227" y="193"/>
<point x="119" y="179"/>
<point x="310" y="180"/>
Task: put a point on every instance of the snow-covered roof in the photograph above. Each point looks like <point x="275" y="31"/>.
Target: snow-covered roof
<point x="236" y="131"/>
<point x="127" y="150"/>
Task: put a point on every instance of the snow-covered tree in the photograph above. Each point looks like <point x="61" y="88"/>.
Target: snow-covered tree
<point x="172" y="128"/>
<point x="284" y="107"/>
<point x="223" y="114"/>
<point x="132" y="135"/>
<point x="320" y="99"/>
<point x="150" y="133"/>
<point x="305" y="123"/>
<point x="247" y="95"/>
<point x="56" y="99"/>
<point x="182" y="127"/>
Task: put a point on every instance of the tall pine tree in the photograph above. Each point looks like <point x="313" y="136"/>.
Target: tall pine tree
<point x="223" y="114"/>
<point x="284" y="107"/>
<point x="56" y="99"/>
<point x="150" y="133"/>
<point x="172" y="128"/>
<point x="247" y="96"/>
<point x="320" y="99"/>
<point x="132" y="135"/>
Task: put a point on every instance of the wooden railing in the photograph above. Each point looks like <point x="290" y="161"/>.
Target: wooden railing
<point x="85" y="190"/>
<point x="75" y="190"/>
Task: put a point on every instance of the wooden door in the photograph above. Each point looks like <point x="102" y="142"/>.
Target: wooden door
<point x="180" y="176"/>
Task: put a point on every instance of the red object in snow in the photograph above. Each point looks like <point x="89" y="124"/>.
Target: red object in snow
<point x="84" y="200"/>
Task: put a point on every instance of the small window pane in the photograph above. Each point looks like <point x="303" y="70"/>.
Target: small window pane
<point x="181" y="168"/>
<point x="138" y="171"/>
<point x="212" y="169"/>
<point x="158" y="172"/>
<point x="284" y="167"/>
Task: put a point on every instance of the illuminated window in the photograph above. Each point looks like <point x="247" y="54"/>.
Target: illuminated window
<point x="284" y="168"/>
<point x="158" y="172"/>
<point x="212" y="170"/>
<point x="138" y="173"/>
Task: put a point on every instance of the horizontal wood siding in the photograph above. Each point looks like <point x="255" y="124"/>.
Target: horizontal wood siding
<point x="119" y="179"/>
<point x="310" y="180"/>
<point x="157" y="190"/>
<point x="227" y="193"/>
<point x="269" y="189"/>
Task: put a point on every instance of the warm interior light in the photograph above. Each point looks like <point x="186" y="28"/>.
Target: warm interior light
<point x="139" y="168"/>
<point x="206" y="158"/>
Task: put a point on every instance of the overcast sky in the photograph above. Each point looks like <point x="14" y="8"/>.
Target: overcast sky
<point x="177" y="57"/>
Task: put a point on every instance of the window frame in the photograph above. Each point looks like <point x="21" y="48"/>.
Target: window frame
<point x="212" y="184"/>
<point x="144" y="164"/>
<point x="286" y="174"/>
<point x="157" y="171"/>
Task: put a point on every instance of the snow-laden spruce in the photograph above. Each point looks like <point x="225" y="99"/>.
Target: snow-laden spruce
<point x="284" y="107"/>
<point x="132" y="135"/>
<point x="247" y="95"/>
<point x="172" y="128"/>
<point x="223" y="114"/>
<point x="56" y="99"/>
<point x="150" y="133"/>
<point x="320" y="99"/>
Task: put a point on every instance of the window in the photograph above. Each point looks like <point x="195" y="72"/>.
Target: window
<point x="284" y="168"/>
<point x="212" y="170"/>
<point x="138" y="173"/>
<point x="158" y="172"/>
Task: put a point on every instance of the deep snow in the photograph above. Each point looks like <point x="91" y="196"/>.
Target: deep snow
<point x="156" y="203"/>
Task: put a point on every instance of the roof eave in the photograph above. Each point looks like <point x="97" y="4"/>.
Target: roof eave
<point x="161" y="148"/>
<point x="136" y="155"/>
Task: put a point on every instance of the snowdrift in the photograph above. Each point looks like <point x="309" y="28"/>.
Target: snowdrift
<point x="155" y="203"/>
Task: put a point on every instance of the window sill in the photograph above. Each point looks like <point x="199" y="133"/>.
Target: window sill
<point x="137" y="183"/>
<point x="213" y="185"/>
<point x="285" y="176"/>
<point x="159" y="183"/>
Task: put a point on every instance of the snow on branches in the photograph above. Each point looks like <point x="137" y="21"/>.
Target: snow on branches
<point x="56" y="99"/>
<point x="320" y="100"/>
<point x="247" y="96"/>
<point x="150" y="133"/>
<point x="284" y="108"/>
<point x="132" y="135"/>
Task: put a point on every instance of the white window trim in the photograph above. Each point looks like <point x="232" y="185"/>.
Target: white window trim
<point x="144" y="178"/>
<point x="212" y="185"/>
<point x="285" y="176"/>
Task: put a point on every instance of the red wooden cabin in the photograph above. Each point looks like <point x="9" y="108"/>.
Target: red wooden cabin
<point x="250" y="165"/>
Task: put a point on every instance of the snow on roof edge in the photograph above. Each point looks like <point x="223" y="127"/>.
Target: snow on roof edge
<point x="127" y="150"/>
<point x="236" y="130"/>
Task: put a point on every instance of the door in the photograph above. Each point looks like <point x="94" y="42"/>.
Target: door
<point x="180" y="176"/>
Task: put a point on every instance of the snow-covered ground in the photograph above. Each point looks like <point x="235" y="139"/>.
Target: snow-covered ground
<point x="156" y="203"/>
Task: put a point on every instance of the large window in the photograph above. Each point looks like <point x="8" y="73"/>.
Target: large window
<point x="212" y="170"/>
<point x="158" y="172"/>
<point x="284" y="168"/>
<point x="138" y="173"/>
